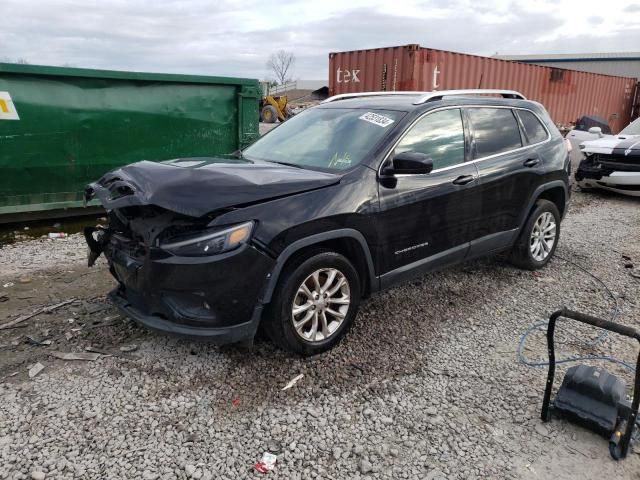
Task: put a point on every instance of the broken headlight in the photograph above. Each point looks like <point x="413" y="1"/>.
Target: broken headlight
<point x="211" y="243"/>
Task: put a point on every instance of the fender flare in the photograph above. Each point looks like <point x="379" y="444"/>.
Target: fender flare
<point x="272" y="278"/>
<point x="536" y="195"/>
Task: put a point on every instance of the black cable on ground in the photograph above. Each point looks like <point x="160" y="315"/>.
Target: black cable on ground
<point x="603" y="333"/>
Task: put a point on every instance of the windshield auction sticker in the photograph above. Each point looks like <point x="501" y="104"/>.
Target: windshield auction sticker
<point x="7" y="108"/>
<point x="377" y="119"/>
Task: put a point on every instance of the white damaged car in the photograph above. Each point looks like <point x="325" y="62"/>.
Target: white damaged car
<point x="612" y="162"/>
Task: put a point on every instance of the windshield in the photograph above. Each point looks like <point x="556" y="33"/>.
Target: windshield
<point x="325" y="138"/>
<point x="632" y="129"/>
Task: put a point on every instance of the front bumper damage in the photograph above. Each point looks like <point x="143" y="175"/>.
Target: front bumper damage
<point x="155" y="204"/>
<point x="609" y="172"/>
<point x="220" y="335"/>
<point x="215" y="296"/>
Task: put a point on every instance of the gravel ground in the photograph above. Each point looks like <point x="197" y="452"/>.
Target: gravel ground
<point x="265" y="127"/>
<point x="24" y="258"/>
<point x="427" y="384"/>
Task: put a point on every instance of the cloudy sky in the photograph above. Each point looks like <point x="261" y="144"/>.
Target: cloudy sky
<point x="232" y="37"/>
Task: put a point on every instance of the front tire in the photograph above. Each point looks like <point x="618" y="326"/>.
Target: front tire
<point x="539" y="238"/>
<point x="315" y="303"/>
<point x="269" y="114"/>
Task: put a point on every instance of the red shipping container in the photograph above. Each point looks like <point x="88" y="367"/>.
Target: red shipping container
<point x="566" y="94"/>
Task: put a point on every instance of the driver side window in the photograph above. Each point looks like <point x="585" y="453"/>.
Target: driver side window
<point x="439" y="135"/>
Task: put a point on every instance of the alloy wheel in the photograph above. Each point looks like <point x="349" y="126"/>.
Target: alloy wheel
<point x="321" y="305"/>
<point x="543" y="236"/>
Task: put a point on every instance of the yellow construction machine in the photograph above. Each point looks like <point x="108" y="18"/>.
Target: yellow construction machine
<point x="273" y="108"/>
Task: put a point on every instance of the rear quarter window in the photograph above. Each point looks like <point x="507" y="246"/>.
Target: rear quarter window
<point x="495" y="130"/>
<point x="533" y="129"/>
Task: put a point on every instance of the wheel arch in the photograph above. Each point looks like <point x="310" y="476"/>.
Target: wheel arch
<point x="346" y="241"/>
<point x="556" y="192"/>
<point x="556" y="195"/>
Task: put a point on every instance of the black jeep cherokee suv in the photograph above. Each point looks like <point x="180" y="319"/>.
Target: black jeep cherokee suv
<point x="347" y="198"/>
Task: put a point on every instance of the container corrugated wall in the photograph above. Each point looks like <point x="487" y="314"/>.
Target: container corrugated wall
<point x="63" y="127"/>
<point x="566" y="94"/>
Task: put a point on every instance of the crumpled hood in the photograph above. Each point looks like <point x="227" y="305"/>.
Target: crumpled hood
<point x="607" y="144"/>
<point x="197" y="186"/>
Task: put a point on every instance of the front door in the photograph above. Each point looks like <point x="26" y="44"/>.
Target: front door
<point x="424" y="218"/>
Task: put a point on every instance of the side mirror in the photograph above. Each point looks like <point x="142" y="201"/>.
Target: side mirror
<point x="409" y="163"/>
<point x="596" y="130"/>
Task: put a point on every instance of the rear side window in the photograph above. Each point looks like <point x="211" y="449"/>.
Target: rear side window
<point x="439" y="135"/>
<point x="495" y="130"/>
<point x="533" y="129"/>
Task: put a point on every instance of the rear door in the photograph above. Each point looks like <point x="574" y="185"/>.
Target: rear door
<point x="508" y="164"/>
<point x="424" y="219"/>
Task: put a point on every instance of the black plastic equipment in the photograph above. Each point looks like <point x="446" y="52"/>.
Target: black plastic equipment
<point x="587" y="393"/>
<point x="590" y="396"/>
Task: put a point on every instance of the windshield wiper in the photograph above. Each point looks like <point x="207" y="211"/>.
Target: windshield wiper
<point x="286" y="164"/>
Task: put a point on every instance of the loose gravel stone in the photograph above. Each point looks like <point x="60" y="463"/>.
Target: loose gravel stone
<point x="542" y="430"/>
<point x="365" y="466"/>
<point x="431" y="411"/>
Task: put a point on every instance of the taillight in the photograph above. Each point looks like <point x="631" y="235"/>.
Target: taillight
<point x="567" y="143"/>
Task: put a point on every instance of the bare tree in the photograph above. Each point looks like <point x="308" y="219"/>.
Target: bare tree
<point x="21" y="61"/>
<point x="280" y="64"/>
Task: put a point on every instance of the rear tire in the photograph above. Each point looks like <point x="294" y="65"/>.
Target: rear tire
<point x="539" y="237"/>
<point x="269" y="114"/>
<point x="315" y="303"/>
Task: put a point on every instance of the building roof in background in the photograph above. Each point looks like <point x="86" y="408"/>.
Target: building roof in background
<point x="573" y="57"/>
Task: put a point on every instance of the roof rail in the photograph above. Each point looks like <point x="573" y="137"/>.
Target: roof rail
<point x="430" y="96"/>
<point x="343" y="96"/>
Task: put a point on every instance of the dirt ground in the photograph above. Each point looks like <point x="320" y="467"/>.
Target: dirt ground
<point x="474" y="315"/>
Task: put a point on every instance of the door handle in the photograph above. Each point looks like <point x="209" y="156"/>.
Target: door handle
<point x="464" y="179"/>
<point x="531" y="162"/>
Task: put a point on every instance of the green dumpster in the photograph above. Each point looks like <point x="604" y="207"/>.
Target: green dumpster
<point x="62" y="127"/>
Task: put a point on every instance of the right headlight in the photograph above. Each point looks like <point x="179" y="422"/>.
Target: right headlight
<point x="202" y="245"/>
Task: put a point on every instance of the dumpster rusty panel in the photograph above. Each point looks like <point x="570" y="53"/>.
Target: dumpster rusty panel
<point x="75" y="125"/>
<point x="567" y="94"/>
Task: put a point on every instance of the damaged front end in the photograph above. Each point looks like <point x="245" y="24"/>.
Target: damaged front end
<point x="173" y="270"/>
<point x="180" y="267"/>
<point x="618" y="171"/>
